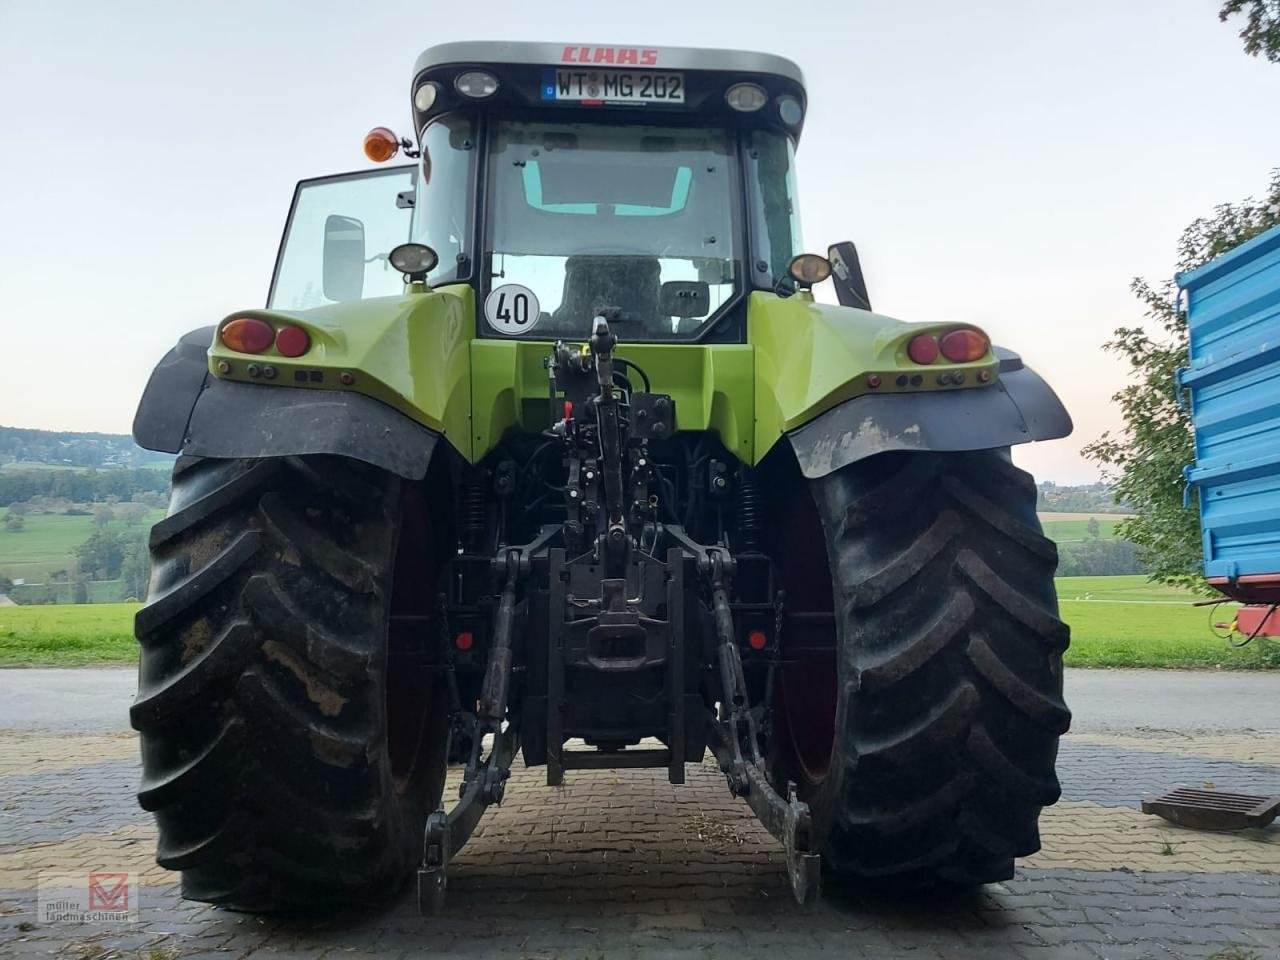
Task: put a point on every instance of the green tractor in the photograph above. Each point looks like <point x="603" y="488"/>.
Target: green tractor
<point x="543" y="446"/>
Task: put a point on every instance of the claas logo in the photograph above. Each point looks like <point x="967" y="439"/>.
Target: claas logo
<point x="634" y="56"/>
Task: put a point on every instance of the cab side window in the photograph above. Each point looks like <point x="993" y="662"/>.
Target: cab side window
<point x="339" y="234"/>
<point x="775" y="207"/>
<point x="442" y="210"/>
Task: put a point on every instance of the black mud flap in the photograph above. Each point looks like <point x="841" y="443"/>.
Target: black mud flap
<point x="186" y="410"/>
<point x="1018" y="408"/>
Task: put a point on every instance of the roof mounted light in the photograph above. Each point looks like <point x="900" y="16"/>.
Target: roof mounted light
<point x="790" y="111"/>
<point x="381" y="144"/>
<point x="476" y="84"/>
<point x="746" y="97"/>
<point x="424" y="98"/>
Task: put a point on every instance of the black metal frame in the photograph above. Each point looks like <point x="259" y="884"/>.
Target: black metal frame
<point x="607" y="655"/>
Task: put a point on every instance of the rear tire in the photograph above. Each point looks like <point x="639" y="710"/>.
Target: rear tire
<point x="947" y="706"/>
<point x="274" y="775"/>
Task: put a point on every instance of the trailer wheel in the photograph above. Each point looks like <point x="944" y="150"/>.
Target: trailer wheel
<point x="293" y="734"/>
<point x="926" y="746"/>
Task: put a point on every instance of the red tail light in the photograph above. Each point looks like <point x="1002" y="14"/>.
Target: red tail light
<point x="964" y="346"/>
<point x="247" y="335"/>
<point x="923" y="349"/>
<point x="292" y="341"/>
<point x="464" y="640"/>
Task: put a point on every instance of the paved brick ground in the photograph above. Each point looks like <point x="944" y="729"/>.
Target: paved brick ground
<point x="624" y="864"/>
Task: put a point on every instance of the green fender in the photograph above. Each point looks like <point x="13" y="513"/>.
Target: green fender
<point x="398" y="373"/>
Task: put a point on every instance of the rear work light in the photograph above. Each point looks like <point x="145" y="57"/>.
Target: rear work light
<point x="746" y="97"/>
<point x="476" y="84"/>
<point x="292" y="341"/>
<point x="247" y="335"/>
<point x="964" y="346"/>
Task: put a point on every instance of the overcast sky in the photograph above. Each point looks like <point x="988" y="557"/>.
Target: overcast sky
<point x="1010" y="163"/>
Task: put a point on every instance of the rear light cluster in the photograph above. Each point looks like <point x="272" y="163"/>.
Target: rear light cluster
<point x="251" y="335"/>
<point x="958" y="346"/>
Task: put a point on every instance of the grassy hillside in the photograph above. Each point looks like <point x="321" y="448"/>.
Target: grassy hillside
<point x="47" y="542"/>
<point x="1078" y="529"/>
<point x="66" y="448"/>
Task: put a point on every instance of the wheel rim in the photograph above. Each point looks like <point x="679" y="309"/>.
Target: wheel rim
<point x="805" y="700"/>
<point x="413" y="691"/>
<point x="409" y="697"/>
<point x="807" y="695"/>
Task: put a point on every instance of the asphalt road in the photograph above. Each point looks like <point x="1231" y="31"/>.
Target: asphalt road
<point x="67" y="699"/>
<point x="1189" y="701"/>
<point x="1102" y="701"/>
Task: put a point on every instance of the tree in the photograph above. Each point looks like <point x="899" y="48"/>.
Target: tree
<point x="135" y="569"/>
<point x="1261" y="33"/>
<point x="1144" y="459"/>
<point x="1094" y="528"/>
<point x="14" y="523"/>
<point x="101" y="555"/>
<point x="131" y="513"/>
<point x="1097" y="558"/>
<point x="102" y="516"/>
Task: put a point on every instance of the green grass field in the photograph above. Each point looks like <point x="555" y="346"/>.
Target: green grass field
<point x="1115" y="622"/>
<point x="70" y="635"/>
<point x="1068" y="530"/>
<point x="48" y="542"/>
<point x="1124" y="588"/>
<point x="45" y="542"/>
<point x="1128" y="622"/>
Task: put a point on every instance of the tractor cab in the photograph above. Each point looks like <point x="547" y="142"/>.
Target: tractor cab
<point x="652" y="186"/>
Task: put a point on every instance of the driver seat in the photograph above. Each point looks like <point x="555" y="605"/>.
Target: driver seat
<point x="594" y="281"/>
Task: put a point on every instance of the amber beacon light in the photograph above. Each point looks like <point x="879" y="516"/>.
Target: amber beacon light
<point x="381" y="144"/>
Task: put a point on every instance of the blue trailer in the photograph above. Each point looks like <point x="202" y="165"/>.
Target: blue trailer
<point x="1233" y="319"/>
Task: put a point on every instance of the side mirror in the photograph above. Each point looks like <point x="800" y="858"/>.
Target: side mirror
<point x="684" y="299"/>
<point x="342" y="277"/>
<point x="846" y="273"/>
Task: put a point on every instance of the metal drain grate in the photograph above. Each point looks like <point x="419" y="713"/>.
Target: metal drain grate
<point x="1213" y="810"/>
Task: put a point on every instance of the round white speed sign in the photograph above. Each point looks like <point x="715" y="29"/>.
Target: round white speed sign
<point x="511" y="309"/>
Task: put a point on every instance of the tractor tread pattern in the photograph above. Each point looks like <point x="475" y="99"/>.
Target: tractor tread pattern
<point x="263" y="732"/>
<point x="950" y="666"/>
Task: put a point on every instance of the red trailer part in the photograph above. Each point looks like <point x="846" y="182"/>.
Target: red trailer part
<point x="1258" y="620"/>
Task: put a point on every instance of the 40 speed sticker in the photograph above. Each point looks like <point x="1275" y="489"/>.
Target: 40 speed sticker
<point x="511" y="309"/>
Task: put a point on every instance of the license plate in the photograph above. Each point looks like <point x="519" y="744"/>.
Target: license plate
<point x="615" y="86"/>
